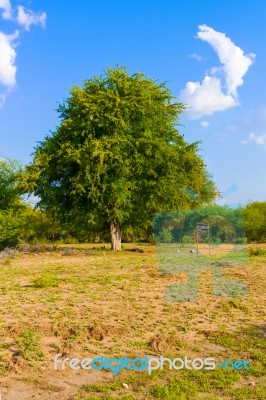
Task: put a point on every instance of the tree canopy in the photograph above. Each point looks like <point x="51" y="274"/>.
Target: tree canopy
<point x="117" y="156"/>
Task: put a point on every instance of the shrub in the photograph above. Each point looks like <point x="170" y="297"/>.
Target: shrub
<point x="187" y="239"/>
<point x="165" y="236"/>
<point x="256" y="251"/>
<point x="46" y="281"/>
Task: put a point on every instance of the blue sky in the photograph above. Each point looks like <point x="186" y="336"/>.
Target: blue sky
<point x="218" y="46"/>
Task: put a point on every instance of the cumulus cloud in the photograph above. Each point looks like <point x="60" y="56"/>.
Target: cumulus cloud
<point x="28" y="18"/>
<point x="5" y="5"/>
<point x="7" y="59"/>
<point x="205" y="124"/>
<point x="218" y="89"/>
<point x="205" y="98"/>
<point x="8" y="43"/>
<point x="235" y="62"/>
<point x="258" y="139"/>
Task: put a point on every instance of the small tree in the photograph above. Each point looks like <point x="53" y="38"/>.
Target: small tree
<point x="9" y="190"/>
<point x="117" y="156"/>
<point x="255" y="221"/>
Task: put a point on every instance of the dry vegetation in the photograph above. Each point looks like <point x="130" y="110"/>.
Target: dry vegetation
<point x="86" y="301"/>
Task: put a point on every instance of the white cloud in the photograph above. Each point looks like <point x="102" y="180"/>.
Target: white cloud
<point x="28" y="18"/>
<point x="25" y="18"/>
<point x="196" y="57"/>
<point x="5" y="5"/>
<point x="205" y="98"/>
<point x="235" y="63"/>
<point x="7" y="59"/>
<point x="209" y="96"/>
<point x="258" y="139"/>
<point x="205" y="124"/>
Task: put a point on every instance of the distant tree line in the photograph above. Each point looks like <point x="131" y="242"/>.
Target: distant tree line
<point x="211" y="223"/>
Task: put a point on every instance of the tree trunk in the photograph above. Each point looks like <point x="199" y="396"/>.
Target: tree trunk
<point x="115" y="234"/>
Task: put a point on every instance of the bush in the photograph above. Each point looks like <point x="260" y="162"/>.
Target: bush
<point x="23" y="224"/>
<point x="165" y="236"/>
<point x="187" y="239"/>
<point x="215" y="240"/>
<point x="10" y="228"/>
<point x="255" y="221"/>
<point x="241" y="240"/>
<point x="256" y="251"/>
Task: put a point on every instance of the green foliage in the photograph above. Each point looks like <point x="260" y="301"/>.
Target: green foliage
<point x="21" y="224"/>
<point x="256" y="251"/>
<point x="18" y="221"/>
<point x="238" y="225"/>
<point x="187" y="239"/>
<point x="46" y="281"/>
<point x="29" y="343"/>
<point x="165" y="236"/>
<point x="10" y="228"/>
<point x="9" y="190"/>
<point x="117" y="155"/>
<point x="226" y="224"/>
<point x="241" y="240"/>
<point x="255" y="221"/>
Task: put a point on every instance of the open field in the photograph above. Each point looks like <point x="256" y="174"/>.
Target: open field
<point x="89" y="301"/>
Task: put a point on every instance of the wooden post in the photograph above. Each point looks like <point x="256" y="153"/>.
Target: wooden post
<point x="197" y="240"/>
<point x="209" y="239"/>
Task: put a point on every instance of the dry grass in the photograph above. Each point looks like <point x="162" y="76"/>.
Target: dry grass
<point x="89" y="302"/>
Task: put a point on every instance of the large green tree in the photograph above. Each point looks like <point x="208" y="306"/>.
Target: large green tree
<point x="117" y="156"/>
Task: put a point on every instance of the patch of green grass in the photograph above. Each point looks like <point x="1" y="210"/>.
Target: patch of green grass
<point x="140" y="345"/>
<point x="102" y="280"/>
<point x="98" y="388"/>
<point x="46" y="281"/>
<point x="29" y="344"/>
<point x="188" y="385"/>
<point x="245" y="339"/>
<point x="216" y="379"/>
<point x="258" y="363"/>
<point x="136" y="381"/>
<point x="256" y="392"/>
<point x="183" y="390"/>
